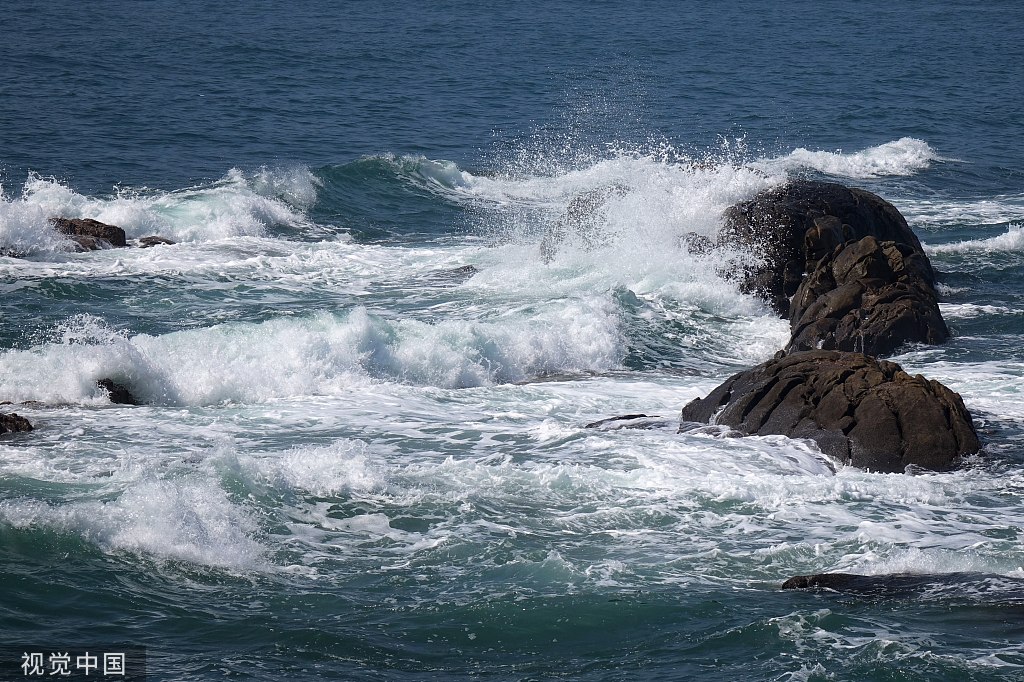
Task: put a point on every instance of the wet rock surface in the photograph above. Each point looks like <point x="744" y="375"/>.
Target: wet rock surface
<point x="118" y="393"/>
<point x="860" y="411"/>
<point x="867" y="296"/>
<point x="153" y="240"/>
<point x="14" y="423"/>
<point x="794" y="226"/>
<point x="89" y="234"/>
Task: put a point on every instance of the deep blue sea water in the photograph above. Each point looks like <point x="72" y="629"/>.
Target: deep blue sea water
<point x="360" y="458"/>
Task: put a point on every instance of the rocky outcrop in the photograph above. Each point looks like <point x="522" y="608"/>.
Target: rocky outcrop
<point x="14" y="423"/>
<point x="118" y="394"/>
<point x="860" y="411"/>
<point x="147" y="242"/>
<point x="794" y="226"/>
<point x="867" y="296"/>
<point x="90" y="234"/>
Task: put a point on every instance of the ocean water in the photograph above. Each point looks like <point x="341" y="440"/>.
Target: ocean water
<point x="362" y="452"/>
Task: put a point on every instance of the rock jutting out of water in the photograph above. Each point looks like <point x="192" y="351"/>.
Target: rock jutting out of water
<point x="89" y="234"/>
<point x="860" y="411"/>
<point x="118" y="394"/>
<point x="13" y="423"/>
<point x="147" y="242"/>
<point x="868" y="296"/>
<point x="794" y="226"/>
<point x="861" y="286"/>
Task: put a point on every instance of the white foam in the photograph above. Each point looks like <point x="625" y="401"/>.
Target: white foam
<point x="237" y="205"/>
<point x="342" y="467"/>
<point x="937" y="213"/>
<point x="994" y="387"/>
<point x="902" y="157"/>
<point x="436" y="175"/>
<point x="475" y="469"/>
<point x="415" y="414"/>
<point x="321" y="354"/>
<point x="189" y="520"/>
<point x="971" y="310"/>
<point x="1012" y="240"/>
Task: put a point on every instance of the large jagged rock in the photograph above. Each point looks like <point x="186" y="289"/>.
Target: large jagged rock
<point x="89" y="234"/>
<point x="867" y="296"/>
<point x="794" y="226"/>
<point x="860" y="411"/>
<point x="14" y="423"/>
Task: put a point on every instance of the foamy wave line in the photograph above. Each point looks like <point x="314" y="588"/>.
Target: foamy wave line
<point x="661" y="178"/>
<point x="993" y="211"/>
<point x="188" y="520"/>
<point x="323" y="354"/>
<point x="971" y="310"/>
<point x="236" y="205"/>
<point x="1011" y="240"/>
<point x="904" y="156"/>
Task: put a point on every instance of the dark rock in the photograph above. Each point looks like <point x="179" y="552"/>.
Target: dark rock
<point x="14" y="423"/>
<point x="147" y="242"/>
<point x="454" y="275"/>
<point x="860" y="411"/>
<point x="867" y="296"/>
<point x="828" y="581"/>
<point x="978" y="586"/>
<point x="90" y="234"/>
<point x="794" y="226"/>
<point x="119" y="395"/>
<point x="628" y="421"/>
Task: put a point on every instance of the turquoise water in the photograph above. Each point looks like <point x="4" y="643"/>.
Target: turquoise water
<point x="361" y="453"/>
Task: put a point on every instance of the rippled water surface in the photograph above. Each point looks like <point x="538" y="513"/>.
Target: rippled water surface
<point x="366" y="375"/>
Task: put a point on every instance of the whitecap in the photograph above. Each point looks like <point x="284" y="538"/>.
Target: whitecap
<point x="901" y="157"/>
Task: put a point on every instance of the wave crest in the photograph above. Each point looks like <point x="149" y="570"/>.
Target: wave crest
<point x="905" y="156"/>
<point x="237" y="205"/>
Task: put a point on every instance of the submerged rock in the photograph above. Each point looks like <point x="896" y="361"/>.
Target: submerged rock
<point x="90" y="234"/>
<point x="794" y="226"/>
<point x="14" y="423"/>
<point x="867" y="296"/>
<point x="118" y="394"/>
<point x="979" y="586"/>
<point x="454" y="275"/>
<point x="860" y="411"/>
<point x="628" y="421"/>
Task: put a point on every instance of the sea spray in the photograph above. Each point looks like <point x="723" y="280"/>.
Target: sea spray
<point x="237" y="205"/>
